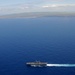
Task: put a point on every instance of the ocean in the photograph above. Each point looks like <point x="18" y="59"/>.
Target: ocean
<point x="47" y="39"/>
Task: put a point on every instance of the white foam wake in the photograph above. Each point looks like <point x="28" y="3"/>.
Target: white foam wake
<point x="61" y="65"/>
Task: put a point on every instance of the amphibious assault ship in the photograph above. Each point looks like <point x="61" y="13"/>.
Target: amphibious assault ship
<point x="37" y="64"/>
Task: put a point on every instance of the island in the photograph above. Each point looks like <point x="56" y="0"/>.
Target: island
<point x="39" y="14"/>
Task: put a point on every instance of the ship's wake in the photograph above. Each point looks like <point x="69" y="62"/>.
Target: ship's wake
<point x="61" y="65"/>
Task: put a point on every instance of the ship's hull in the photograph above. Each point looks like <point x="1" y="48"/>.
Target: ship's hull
<point x="37" y="64"/>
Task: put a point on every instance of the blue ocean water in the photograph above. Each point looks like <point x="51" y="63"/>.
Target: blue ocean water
<point x="49" y="39"/>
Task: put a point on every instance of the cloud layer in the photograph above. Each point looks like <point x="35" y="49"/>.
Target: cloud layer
<point x="36" y="8"/>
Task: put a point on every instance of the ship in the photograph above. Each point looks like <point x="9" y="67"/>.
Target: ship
<point x="37" y="64"/>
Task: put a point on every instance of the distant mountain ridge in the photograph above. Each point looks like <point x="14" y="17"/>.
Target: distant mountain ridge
<point x="38" y="14"/>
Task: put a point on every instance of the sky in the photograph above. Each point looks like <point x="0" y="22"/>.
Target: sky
<point x="20" y="6"/>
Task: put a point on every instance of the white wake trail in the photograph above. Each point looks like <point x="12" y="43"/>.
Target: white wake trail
<point x="61" y="65"/>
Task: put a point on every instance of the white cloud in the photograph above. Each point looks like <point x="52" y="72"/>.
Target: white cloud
<point x="50" y="6"/>
<point x="58" y="5"/>
<point x="45" y="6"/>
<point x="32" y="8"/>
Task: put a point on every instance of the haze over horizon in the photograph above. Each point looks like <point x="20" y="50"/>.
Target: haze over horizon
<point x="21" y="6"/>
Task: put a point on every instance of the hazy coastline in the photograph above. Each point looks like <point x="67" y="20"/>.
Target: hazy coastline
<point x="39" y="14"/>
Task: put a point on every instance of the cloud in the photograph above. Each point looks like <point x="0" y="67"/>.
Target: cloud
<point x="58" y="5"/>
<point x="54" y="0"/>
<point x="47" y="6"/>
<point x="36" y="8"/>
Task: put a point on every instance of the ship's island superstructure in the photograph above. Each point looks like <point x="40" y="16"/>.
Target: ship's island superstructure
<point x="37" y="64"/>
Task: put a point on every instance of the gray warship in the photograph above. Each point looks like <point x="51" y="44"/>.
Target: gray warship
<point x="37" y="64"/>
